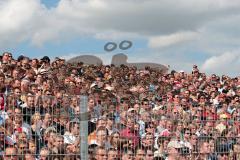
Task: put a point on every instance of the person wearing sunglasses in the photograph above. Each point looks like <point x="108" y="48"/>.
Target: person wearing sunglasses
<point x="10" y="154"/>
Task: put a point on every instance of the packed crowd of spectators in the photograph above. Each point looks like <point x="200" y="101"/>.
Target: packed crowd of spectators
<point x="132" y="114"/>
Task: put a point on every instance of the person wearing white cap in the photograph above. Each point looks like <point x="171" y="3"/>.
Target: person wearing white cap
<point x="181" y="71"/>
<point x="173" y="147"/>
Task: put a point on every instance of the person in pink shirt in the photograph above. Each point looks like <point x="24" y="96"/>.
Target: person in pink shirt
<point x="129" y="132"/>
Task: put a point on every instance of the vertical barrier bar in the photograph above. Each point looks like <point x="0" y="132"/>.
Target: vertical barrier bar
<point x="83" y="127"/>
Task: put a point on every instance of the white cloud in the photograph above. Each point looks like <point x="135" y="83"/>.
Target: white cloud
<point x="29" y="19"/>
<point x="172" y="39"/>
<point x="17" y="20"/>
<point x="113" y="35"/>
<point x="226" y="63"/>
<point x="208" y="26"/>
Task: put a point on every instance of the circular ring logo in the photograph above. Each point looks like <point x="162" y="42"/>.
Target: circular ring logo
<point x="124" y="45"/>
<point x="110" y="46"/>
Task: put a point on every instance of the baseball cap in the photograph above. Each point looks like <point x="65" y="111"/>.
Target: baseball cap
<point x="156" y="108"/>
<point x="181" y="71"/>
<point x="50" y="129"/>
<point x="46" y="59"/>
<point x="58" y="59"/>
<point x="131" y="109"/>
<point x="164" y="118"/>
<point x="174" y="144"/>
<point x="21" y="57"/>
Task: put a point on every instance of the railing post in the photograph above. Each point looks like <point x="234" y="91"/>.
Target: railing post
<point x="83" y="128"/>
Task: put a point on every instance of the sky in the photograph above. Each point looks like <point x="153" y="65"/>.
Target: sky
<point x="178" y="33"/>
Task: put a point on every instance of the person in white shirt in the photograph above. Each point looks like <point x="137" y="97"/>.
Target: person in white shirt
<point x="70" y="137"/>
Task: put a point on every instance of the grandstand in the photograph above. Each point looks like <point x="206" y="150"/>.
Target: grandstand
<point x="61" y="111"/>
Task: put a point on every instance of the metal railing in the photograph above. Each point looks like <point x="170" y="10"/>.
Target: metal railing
<point x="44" y="127"/>
<point x="81" y="127"/>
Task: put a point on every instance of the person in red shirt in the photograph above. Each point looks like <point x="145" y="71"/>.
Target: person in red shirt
<point x="128" y="132"/>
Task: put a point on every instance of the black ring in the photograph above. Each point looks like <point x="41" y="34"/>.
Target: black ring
<point x="110" y="46"/>
<point x="128" y="45"/>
